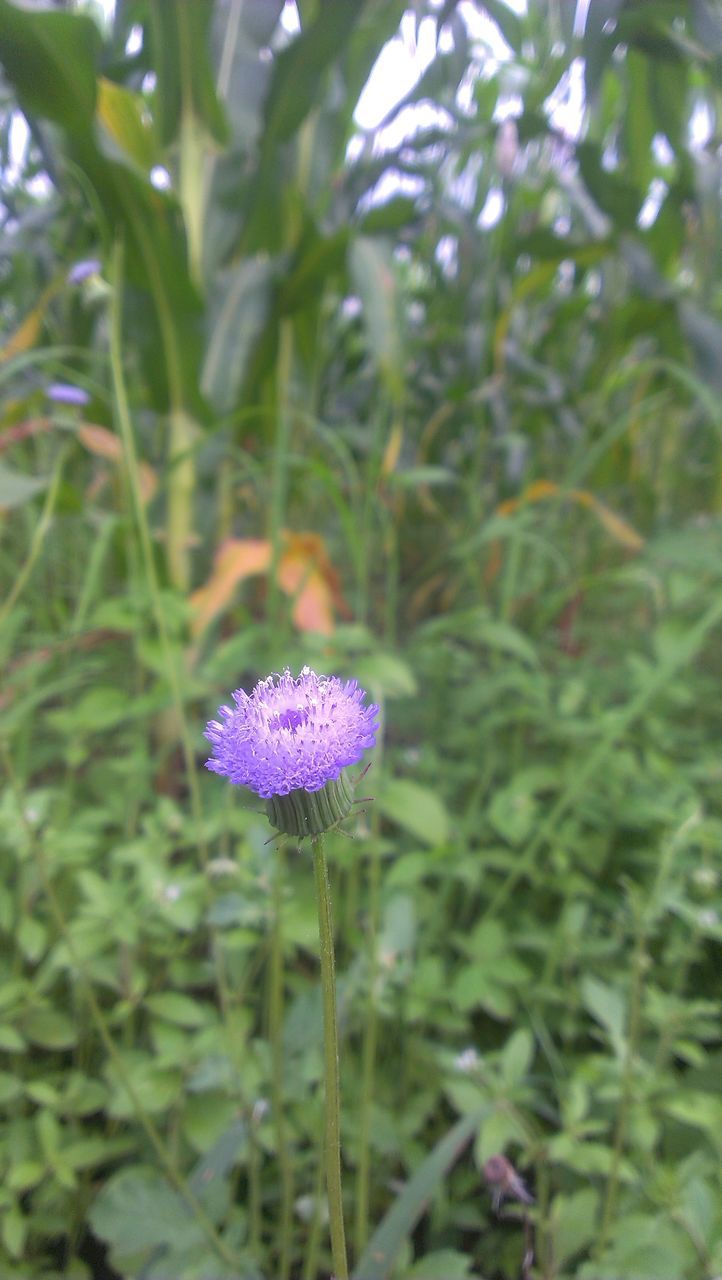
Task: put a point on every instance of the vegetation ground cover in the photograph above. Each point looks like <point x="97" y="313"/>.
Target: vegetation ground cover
<point x="434" y="405"/>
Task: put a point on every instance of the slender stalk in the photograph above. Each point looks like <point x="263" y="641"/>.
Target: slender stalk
<point x="36" y="542"/>
<point x="121" y="408"/>
<point x="279" y="477"/>
<point x="627" y="1088"/>
<point x="332" y="1125"/>
<point x="254" y="1191"/>
<point x="310" y="1269"/>
<point x="181" y="483"/>
<point x="371" y="1024"/>
<point x="275" y="1020"/>
<point x="368" y="1072"/>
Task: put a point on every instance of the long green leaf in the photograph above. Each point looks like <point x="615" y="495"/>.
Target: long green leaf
<point x="50" y="58"/>
<point x="377" y="1260"/>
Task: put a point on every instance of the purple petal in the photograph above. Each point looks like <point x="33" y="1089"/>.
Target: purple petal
<point x="66" y="393"/>
<point x="81" y="270"/>
<point x="291" y="733"/>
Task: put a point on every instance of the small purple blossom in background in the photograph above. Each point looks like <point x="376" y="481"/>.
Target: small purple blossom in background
<point x="66" y="393"/>
<point x="83" y="269"/>
<point x="291" y="733"/>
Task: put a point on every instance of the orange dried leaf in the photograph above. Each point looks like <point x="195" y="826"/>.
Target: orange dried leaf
<point x="236" y="559"/>
<point x="101" y="441"/>
<point x="392" y="450"/>
<point x="306" y="573"/>
<point x="619" y="528"/>
<point x="28" y="332"/>
<point x="104" y="444"/>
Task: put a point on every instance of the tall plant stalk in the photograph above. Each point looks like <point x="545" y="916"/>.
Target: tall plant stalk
<point x="275" y="1019"/>
<point x="332" y="1119"/>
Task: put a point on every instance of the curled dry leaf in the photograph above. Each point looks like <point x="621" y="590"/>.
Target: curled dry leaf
<point x="305" y="573"/>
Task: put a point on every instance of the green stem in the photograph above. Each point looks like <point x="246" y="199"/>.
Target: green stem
<point x="627" y="1088"/>
<point x="330" y="1063"/>
<point x="254" y="1192"/>
<point x="36" y="542"/>
<point x="368" y="1071"/>
<point x="275" y="1019"/>
<point x="181" y="483"/>
<point x="371" y="1023"/>
<point x="279" y="477"/>
<point x="368" y="1061"/>
<point x="310" y="1270"/>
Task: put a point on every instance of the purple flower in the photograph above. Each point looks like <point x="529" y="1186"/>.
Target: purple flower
<point x="83" y="269"/>
<point x="66" y="393"/>
<point x="292" y="734"/>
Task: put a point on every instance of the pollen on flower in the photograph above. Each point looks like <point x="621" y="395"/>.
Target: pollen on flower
<point x="291" y="733"/>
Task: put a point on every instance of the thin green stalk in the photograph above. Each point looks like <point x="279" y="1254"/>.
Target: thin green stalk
<point x="125" y="430"/>
<point x="275" y="1020"/>
<point x="639" y="964"/>
<point x="130" y="457"/>
<point x="279" y="479"/>
<point x="370" y="1035"/>
<point x="181" y="485"/>
<point x="369" y="509"/>
<point x="310" y="1269"/>
<point x="368" y="1066"/>
<point x="181" y="462"/>
<point x="37" y="540"/>
<point x="254" y="1191"/>
<point x="332" y="1125"/>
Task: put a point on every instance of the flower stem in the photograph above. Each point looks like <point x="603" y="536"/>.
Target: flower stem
<point x="330" y="1062"/>
<point x="276" y="1037"/>
<point x="368" y="1062"/>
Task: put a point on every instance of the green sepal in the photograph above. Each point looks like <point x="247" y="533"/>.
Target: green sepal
<point x="309" y="813"/>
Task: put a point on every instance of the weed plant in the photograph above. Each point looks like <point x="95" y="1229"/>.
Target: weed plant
<point x="472" y="462"/>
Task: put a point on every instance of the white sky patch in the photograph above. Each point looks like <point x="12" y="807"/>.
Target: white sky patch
<point x="19" y="137"/>
<point x="135" y="40"/>
<point x="447" y="255"/>
<point x="700" y="127"/>
<point x="653" y="203"/>
<point x="484" y="31"/>
<point x="160" y="177"/>
<point x="290" y="20"/>
<point x="565" y="106"/>
<point x="492" y="210"/>
<point x="391" y="183"/>
<point x="663" y="153"/>
<point x="398" y="68"/>
<point x="580" y="17"/>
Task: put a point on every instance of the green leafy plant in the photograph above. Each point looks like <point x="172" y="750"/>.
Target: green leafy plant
<point x="434" y="404"/>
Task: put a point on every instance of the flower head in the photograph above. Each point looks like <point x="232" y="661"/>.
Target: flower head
<point x="292" y="734"/>
<point x="66" y="393"/>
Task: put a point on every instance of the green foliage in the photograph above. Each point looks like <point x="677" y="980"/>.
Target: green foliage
<point x="464" y="400"/>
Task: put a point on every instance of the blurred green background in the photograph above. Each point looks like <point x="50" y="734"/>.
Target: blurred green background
<point x="383" y="337"/>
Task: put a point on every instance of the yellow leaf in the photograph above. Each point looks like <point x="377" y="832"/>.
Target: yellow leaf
<point x="619" y="528"/>
<point x="305" y="573"/>
<point x="236" y="559"/>
<point x="104" y="444"/>
<point x="122" y="114"/>
<point x="392" y="450"/>
<point x="27" y="333"/>
<point x="616" y="525"/>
